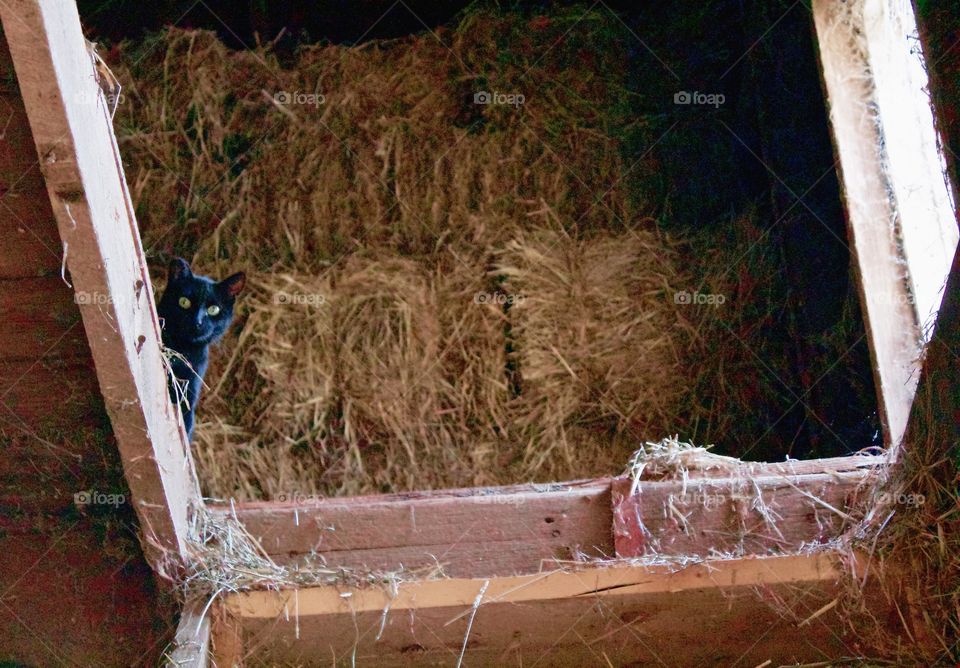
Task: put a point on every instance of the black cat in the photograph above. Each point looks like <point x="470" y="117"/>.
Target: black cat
<point x="194" y="311"/>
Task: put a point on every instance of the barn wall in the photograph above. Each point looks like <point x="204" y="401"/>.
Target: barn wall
<point x="74" y="586"/>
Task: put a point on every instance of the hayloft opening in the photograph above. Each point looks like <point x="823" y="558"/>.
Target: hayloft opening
<point x="485" y="253"/>
<point x="439" y="297"/>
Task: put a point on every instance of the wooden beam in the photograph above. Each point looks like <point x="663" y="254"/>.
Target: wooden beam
<point x="74" y="139"/>
<point x="891" y="321"/>
<point x="721" y="612"/>
<point x="469" y="532"/>
<point x="226" y="639"/>
<point x="935" y="420"/>
<point x="523" y="529"/>
<point x="614" y="580"/>
<point x="191" y="644"/>
<point x="758" y="513"/>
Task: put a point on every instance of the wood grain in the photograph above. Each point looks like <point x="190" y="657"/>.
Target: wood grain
<point x="470" y="532"/>
<point x="891" y="321"/>
<point x="744" y="515"/>
<point x="743" y="613"/>
<point x="73" y="136"/>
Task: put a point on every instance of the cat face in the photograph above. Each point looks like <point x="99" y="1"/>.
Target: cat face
<point x="197" y="310"/>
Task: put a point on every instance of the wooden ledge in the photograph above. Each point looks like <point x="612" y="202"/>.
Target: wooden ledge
<point x="614" y="579"/>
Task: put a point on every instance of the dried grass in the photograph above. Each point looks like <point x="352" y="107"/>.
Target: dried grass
<point x="599" y="344"/>
<point x="908" y="541"/>
<point x="388" y="213"/>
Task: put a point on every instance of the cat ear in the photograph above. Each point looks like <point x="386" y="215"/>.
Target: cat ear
<point x="178" y="269"/>
<point x="233" y="285"/>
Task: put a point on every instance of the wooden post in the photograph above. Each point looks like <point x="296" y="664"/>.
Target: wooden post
<point x="891" y="323"/>
<point x="72" y="130"/>
<point x="191" y="644"/>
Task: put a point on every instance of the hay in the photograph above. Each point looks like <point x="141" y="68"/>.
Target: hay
<point x="909" y="535"/>
<point x="396" y="155"/>
<point x="404" y="221"/>
<point x="598" y="347"/>
<point x="378" y="375"/>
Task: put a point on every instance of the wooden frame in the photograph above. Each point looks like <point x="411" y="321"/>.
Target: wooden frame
<point x="702" y="540"/>
<point x="72" y="129"/>
<point x="877" y="231"/>
<point x="539" y="527"/>
<point x="543" y="547"/>
<point x="521" y="620"/>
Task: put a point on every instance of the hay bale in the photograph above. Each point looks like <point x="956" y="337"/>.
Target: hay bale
<point x="599" y="343"/>
<point x="389" y="382"/>
<point x="269" y="411"/>
<point x="381" y="146"/>
<point x="400" y="200"/>
<point x="377" y="375"/>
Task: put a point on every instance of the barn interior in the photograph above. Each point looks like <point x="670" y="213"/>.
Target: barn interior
<point x="493" y="252"/>
<point x="514" y="275"/>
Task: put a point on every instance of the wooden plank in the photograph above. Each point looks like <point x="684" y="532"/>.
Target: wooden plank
<point x="716" y="466"/>
<point x="72" y="131"/>
<point x="936" y="415"/>
<point x="40" y="319"/>
<point x="470" y="531"/>
<point x="740" y="612"/>
<point x="31" y="242"/>
<point x="78" y="593"/>
<point x="890" y="318"/>
<point x="695" y="628"/>
<point x="595" y="580"/>
<point x="738" y="515"/>
<point x="51" y="390"/>
<point x="526" y="528"/>
<point x="226" y="639"/>
<point x="191" y="643"/>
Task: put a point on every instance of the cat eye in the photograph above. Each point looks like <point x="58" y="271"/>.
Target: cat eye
<point x="184" y="302"/>
<point x="213" y="309"/>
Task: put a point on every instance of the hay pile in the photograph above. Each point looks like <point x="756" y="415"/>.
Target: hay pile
<point x="442" y="293"/>
<point x="598" y="344"/>
<point x="910" y="528"/>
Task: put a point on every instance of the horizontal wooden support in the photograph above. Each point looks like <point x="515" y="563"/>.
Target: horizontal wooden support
<point x="721" y="612"/>
<point x="755" y="510"/>
<point x="468" y="532"/>
<point x="612" y="580"/>
<point x="524" y="529"/>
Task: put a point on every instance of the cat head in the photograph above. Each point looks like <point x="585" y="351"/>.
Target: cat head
<point x="196" y="310"/>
